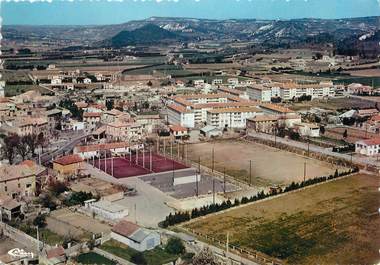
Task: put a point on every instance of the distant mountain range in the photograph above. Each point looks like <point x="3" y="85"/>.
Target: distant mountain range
<point x="157" y="29"/>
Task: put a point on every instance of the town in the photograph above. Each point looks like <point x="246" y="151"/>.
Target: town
<point x="182" y="150"/>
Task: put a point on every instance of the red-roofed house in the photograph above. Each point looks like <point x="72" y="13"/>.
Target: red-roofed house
<point x="68" y="165"/>
<point x="178" y="131"/>
<point x="369" y="147"/>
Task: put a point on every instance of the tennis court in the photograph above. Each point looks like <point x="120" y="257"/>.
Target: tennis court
<point x="136" y="165"/>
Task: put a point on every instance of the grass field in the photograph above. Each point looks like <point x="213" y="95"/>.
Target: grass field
<point x="93" y="258"/>
<point x="332" y="223"/>
<point x="269" y="166"/>
<point x="155" y="256"/>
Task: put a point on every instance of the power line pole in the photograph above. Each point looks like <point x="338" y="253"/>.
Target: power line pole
<point x="250" y="172"/>
<point x="304" y="171"/>
<point x="213" y="191"/>
<point x="224" y="180"/>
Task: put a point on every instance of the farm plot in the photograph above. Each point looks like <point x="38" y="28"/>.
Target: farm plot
<point x="332" y="223"/>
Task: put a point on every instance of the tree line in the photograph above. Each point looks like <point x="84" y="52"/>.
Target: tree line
<point x="180" y="217"/>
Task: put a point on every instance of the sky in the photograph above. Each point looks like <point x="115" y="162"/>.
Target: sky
<point x="96" y="12"/>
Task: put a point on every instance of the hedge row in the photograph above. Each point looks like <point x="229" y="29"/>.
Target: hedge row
<point x="180" y="217"/>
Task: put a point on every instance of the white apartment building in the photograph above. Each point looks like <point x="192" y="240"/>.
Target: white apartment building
<point x="307" y="129"/>
<point x="178" y="114"/>
<point x="369" y="147"/>
<point x="290" y="91"/>
<point x="231" y="117"/>
<point x="263" y="92"/>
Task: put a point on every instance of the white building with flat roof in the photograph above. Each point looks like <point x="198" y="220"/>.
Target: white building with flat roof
<point x="231" y="117"/>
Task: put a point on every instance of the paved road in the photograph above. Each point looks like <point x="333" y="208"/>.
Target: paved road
<point x="313" y="148"/>
<point x="148" y="207"/>
<point x="66" y="148"/>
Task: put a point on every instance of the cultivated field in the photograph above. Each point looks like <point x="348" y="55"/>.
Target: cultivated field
<point x="334" y="104"/>
<point x="332" y="223"/>
<point x="269" y="165"/>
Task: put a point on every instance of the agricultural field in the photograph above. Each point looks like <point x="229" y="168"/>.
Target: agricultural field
<point x="332" y="223"/>
<point x="269" y="166"/>
<point x="334" y="104"/>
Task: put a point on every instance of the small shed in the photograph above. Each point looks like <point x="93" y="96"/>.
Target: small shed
<point x="211" y="131"/>
<point x="133" y="236"/>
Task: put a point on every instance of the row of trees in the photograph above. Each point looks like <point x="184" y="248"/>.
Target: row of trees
<point x="180" y="217"/>
<point x="21" y="145"/>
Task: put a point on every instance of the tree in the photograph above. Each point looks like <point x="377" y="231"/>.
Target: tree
<point x="345" y="134"/>
<point x="40" y="221"/>
<point x="9" y="148"/>
<point x="57" y="187"/>
<point x="149" y="83"/>
<point x="322" y="129"/>
<point x="175" y="246"/>
<point x="22" y="147"/>
<point x="109" y="104"/>
<point x="31" y="141"/>
<point x="138" y="258"/>
<point x="205" y="257"/>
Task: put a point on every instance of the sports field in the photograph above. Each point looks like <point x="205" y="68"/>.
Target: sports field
<point x="332" y="223"/>
<point x="136" y="165"/>
<point x="269" y="165"/>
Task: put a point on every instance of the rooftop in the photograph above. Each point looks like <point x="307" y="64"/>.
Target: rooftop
<point x="68" y="160"/>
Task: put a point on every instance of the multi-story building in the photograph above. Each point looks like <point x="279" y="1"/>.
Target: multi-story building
<point x="191" y="110"/>
<point x="178" y="114"/>
<point x="17" y="180"/>
<point x="124" y="131"/>
<point x="91" y="120"/>
<point x="231" y="117"/>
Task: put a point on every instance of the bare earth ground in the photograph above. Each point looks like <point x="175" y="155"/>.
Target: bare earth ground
<point x="332" y="223"/>
<point x="269" y="165"/>
<point x="353" y="134"/>
<point x="65" y="222"/>
<point x="366" y="72"/>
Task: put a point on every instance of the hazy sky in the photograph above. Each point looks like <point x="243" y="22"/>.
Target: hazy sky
<point x="88" y="12"/>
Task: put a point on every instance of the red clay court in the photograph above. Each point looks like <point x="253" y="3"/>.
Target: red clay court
<point x="129" y="167"/>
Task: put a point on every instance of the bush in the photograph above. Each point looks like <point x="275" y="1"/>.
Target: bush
<point x="40" y="221"/>
<point x="175" y="246"/>
<point x="138" y="258"/>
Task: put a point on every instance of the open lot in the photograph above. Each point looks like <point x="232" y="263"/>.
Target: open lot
<point x="353" y="134"/>
<point x="332" y="223"/>
<point x="69" y="223"/>
<point x="269" y="165"/>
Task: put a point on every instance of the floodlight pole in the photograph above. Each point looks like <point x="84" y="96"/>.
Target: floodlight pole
<point x="213" y="150"/>
<point x="150" y="159"/>
<point x="105" y="161"/>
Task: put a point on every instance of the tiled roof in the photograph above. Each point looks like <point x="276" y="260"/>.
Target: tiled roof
<point x="236" y="110"/>
<point x="125" y="228"/>
<point x="91" y="114"/>
<point x="178" y="108"/>
<point x="97" y="147"/>
<point x="68" y="160"/>
<point x="372" y="141"/>
<point x="177" y="128"/>
<point x="9" y="172"/>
